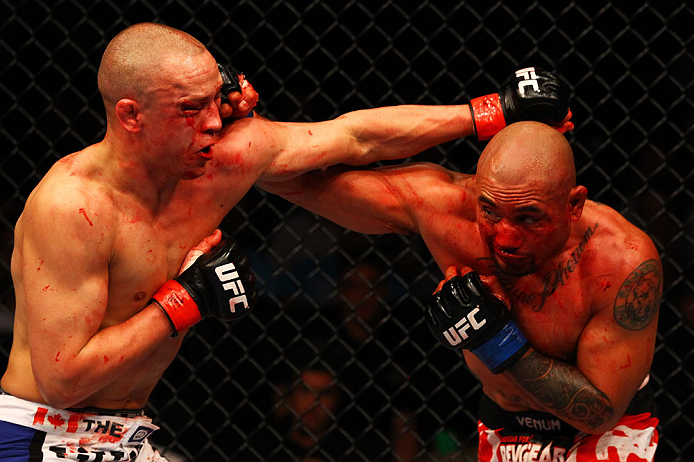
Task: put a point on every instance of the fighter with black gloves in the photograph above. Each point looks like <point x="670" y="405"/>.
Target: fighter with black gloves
<point x="216" y="282"/>
<point x="578" y="288"/>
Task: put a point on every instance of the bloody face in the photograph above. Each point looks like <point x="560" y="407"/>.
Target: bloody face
<point x="181" y="115"/>
<point x="523" y="226"/>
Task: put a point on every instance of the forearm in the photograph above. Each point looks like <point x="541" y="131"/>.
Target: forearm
<point x="402" y="131"/>
<point x="74" y="376"/>
<point x="561" y="389"/>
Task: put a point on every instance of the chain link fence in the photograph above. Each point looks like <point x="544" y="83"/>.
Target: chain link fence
<point x="345" y="304"/>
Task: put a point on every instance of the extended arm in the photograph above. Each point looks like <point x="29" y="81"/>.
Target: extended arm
<point x="378" y="200"/>
<point x="359" y="138"/>
<point x="366" y="136"/>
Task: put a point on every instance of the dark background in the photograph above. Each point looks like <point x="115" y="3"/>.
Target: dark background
<point x="630" y="66"/>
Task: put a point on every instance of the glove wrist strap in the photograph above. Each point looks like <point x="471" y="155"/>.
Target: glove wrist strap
<point x="178" y="305"/>
<point x="487" y="116"/>
<point x="502" y="350"/>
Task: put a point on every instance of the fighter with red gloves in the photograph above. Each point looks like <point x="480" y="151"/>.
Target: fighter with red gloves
<point x="108" y="226"/>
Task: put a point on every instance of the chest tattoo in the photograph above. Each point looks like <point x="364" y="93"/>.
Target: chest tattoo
<point x="561" y="274"/>
<point x="552" y="280"/>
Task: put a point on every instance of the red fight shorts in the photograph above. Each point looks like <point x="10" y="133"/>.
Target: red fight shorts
<point x="541" y="437"/>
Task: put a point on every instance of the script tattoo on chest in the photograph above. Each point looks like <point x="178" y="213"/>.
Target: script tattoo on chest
<point x="553" y="280"/>
<point x="639" y="297"/>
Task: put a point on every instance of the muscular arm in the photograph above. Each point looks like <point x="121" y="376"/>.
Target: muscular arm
<point x="359" y="138"/>
<point x="65" y="251"/>
<point x="615" y="352"/>
<point x="285" y="150"/>
<point x="374" y="201"/>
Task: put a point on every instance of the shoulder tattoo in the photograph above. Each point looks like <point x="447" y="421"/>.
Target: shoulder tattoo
<point x="639" y="297"/>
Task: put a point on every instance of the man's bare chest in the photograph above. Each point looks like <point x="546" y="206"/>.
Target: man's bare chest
<point x="149" y="250"/>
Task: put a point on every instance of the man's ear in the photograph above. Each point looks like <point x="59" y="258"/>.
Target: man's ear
<point x="577" y="199"/>
<point x="127" y="112"/>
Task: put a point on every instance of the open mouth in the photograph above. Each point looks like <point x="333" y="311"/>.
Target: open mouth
<point x="206" y="152"/>
<point x="511" y="258"/>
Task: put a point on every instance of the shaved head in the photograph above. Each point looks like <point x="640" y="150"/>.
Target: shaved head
<point x="529" y="154"/>
<point x="138" y="56"/>
<point x="527" y="196"/>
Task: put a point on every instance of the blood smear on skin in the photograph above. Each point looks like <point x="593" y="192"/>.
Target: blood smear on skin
<point x="84" y="212"/>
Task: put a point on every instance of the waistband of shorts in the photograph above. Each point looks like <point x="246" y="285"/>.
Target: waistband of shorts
<point x="127" y="413"/>
<point x="495" y="417"/>
<point x="68" y="423"/>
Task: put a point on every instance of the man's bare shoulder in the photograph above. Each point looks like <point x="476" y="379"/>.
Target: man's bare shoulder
<point x="70" y="194"/>
<point x="625" y="241"/>
<point x="624" y="267"/>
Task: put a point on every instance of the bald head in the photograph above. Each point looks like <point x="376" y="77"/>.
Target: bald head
<point x="138" y="56"/>
<point x="529" y="153"/>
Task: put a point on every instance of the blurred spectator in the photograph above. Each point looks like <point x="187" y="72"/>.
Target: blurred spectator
<point x="302" y="423"/>
<point x="381" y="414"/>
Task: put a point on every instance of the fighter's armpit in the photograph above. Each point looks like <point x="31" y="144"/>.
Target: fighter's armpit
<point x="638" y="298"/>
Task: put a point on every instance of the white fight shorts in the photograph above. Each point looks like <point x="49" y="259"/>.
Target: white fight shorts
<point x="37" y="432"/>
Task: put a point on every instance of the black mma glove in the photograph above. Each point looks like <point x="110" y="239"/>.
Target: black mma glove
<point x="229" y="83"/>
<point x="219" y="283"/>
<point x="463" y="314"/>
<point x="533" y="94"/>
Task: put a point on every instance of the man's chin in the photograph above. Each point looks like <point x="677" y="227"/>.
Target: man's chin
<point x="192" y="174"/>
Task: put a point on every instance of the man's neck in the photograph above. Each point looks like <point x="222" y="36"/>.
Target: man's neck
<point x="129" y="173"/>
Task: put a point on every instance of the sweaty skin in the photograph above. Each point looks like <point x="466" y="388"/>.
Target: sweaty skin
<point x="110" y="224"/>
<point x="583" y="283"/>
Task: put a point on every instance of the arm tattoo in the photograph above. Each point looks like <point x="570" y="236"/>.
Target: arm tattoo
<point x="563" y="389"/>
<point x="639" y="297"/>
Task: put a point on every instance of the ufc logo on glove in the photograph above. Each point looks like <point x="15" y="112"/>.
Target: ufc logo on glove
<point x="529" y="79"/>
<point x="230" y="277"/>
<point x="458" y="333"/>
<point x="464" y="303"/>
<point x="213" y="285"/>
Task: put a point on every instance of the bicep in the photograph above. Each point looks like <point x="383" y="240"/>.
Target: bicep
<point x="64" y="275"/>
